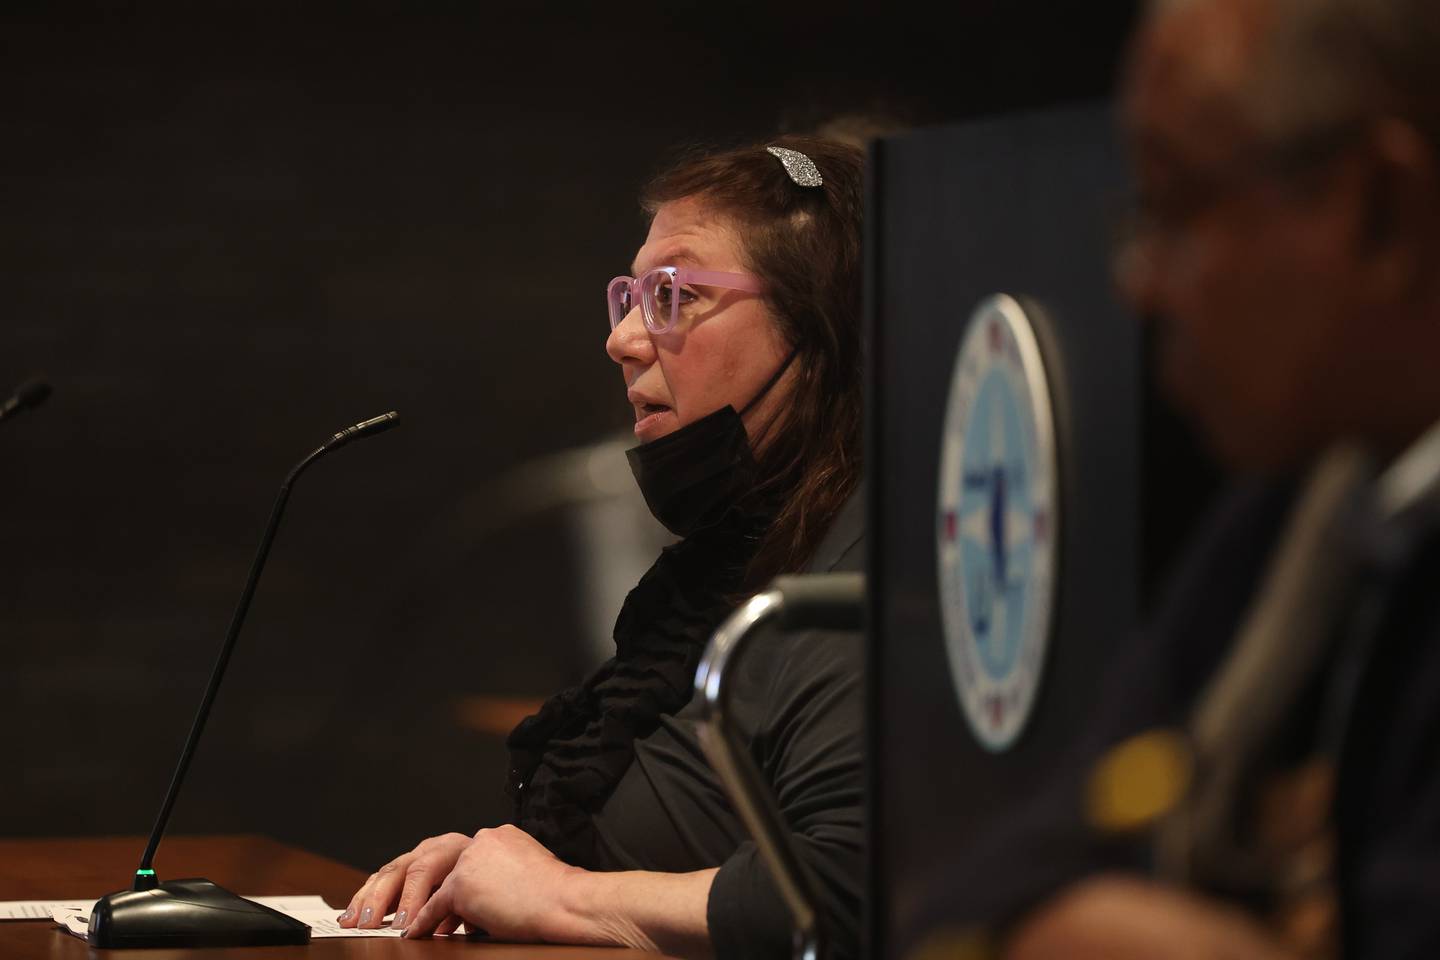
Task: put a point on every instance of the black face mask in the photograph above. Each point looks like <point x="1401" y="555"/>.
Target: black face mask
<point x="691" y="477"/>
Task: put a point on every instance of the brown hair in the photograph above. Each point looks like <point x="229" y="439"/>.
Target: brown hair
<point x="804" y="243"/>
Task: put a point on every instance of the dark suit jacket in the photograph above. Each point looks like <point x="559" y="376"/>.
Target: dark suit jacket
<point x="1387" y="808"/>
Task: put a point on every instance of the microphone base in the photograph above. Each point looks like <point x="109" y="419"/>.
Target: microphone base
<point x="189" y="913"/>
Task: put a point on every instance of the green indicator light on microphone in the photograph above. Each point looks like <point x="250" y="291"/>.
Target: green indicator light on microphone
<point x="144" y="873"/>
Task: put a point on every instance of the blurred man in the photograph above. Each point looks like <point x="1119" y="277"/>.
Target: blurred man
<point x="1288" y="247"/>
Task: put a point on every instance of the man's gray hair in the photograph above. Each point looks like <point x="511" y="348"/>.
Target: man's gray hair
<point x="1331" y="63"/>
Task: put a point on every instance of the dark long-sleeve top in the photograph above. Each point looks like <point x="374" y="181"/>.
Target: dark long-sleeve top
<point x="798" y="701"/>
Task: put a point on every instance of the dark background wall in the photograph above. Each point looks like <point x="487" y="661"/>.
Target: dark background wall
<point x="227" y="231"/>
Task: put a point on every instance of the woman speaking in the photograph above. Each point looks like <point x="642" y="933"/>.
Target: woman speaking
<point x="737" y="331"/>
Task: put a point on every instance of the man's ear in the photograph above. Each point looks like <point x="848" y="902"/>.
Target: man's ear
<point x="1398" y="236"/>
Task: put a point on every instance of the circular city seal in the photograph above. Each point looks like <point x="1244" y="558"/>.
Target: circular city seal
<point x="998" y="515"/>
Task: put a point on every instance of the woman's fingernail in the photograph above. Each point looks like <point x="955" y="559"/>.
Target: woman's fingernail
<point x="345" y="916"/>
<point x="399" y="922"/>
<point x="366" y="914"/>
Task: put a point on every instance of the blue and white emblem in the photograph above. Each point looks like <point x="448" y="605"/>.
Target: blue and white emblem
<point x="998" y="520"/>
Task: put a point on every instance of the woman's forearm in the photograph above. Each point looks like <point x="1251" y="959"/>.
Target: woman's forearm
<point x="660" y="912"/>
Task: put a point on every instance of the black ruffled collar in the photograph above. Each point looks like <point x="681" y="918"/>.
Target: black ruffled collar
<point x="567" y="759"/>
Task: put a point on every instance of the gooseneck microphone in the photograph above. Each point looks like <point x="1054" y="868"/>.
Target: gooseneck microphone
<point x="198" y="913"/>
<point x="30" y="395"/>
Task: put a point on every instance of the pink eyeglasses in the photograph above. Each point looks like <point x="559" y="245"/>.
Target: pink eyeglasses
<point x="662" y="291"/>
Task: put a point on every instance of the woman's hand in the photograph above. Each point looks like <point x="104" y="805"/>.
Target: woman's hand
<point x="507" y="884"/>
<point x="1120" y="918"/>
<point x="404" y="883"/>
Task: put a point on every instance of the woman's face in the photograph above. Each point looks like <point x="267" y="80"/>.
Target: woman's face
<point x="723" y="350"/>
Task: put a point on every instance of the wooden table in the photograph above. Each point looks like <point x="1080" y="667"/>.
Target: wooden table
<point x="64" y="869"/>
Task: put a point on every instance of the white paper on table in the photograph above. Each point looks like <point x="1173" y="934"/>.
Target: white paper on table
<point x="46" y="909"/>
<point x="311" y="910"/>
<point x="288" y="904"/>
<point x="74" y="922"/>
<point x="39" y="909"/>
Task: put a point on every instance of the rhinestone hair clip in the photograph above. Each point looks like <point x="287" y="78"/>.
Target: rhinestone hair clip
<point x="801" y="168"/>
